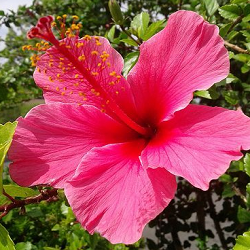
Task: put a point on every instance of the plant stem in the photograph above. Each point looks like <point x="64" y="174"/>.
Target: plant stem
<point x="180" y="4"/>
<point x="48" y="195"/>
<point x="236" y="48"/>
<point x="238" y="20"/>
<point x="129" y="35"/>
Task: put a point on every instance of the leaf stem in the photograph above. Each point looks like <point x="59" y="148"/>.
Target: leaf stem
<point x="129" y="35"/>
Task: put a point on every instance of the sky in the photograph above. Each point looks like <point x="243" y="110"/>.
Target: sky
<point x="6" y="5"/>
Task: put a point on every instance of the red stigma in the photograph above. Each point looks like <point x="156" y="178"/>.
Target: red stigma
<point x="42" y="29"/>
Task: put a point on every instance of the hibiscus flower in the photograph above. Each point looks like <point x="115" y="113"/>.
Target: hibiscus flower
<point x="114" y="144"/>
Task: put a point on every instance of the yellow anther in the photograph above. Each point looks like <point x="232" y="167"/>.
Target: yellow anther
<point x="61" y="59"/>
<point x="62" y="43"/>
<point x="24" y="47"/>
<point x="97" y="38"/>
<point x="92" y="90"/>
<point x="87" y="37"/>
<point x="108" y="64"/>
<point x="53" y="24"/>
<point x="75" y="17"/>
<point x="38" y="45"/>
<point x="118" y="77"/>
<point x="94" y="73"/>
<point x="57" y="88"/>
<point x="38" y="69"/>
<point x="112" y="83"/>
<point x="81" y="58"/>
<point x="78" y="45"/>
<point x="50" y="64"/>
<point x="64" y="88"/>
<point x="68" y="46"/>
<point x="97" y="93"/>
<point x="71" y="92"/>
<point x="98" y="43"/>
<point x="80" y="93"/>
<point x="79" y="104"/>
<point x="51" y="79"/>
<point x="64" y="16"/>
<point x="99" y="64"/>
<point x="58" y="75"/>
<point x="107" y="102"/>
<point x="63" y="93"/>
<point x="113" y="73"/>
<point x="94" y="53"/>
<point x="76" y="75"/>
<point x="117" y="92"/>
<point x="76" y="84"/>
<point x="84" y="98"/>
<point x="58" y="18"/>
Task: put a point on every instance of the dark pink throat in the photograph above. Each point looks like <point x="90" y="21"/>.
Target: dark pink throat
<point x="43" y="31"/>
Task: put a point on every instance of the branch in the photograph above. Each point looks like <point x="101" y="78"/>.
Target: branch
<point x="48" y="195"/>
<point x="180" y="4"/>
<point x="238" y="20"/>
<point x="214" y="217"/>
<point x="238" y="193"/>
<point x="236" y="48"/>
<point x="129" y="35"/>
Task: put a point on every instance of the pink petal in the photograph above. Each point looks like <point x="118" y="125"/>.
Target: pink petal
<point x="50" y="142"/>
<point x="199" y="143"/>
<point x="114" y="195"/>
<point x="64" y="80"/>
<point x="187" y="55"/>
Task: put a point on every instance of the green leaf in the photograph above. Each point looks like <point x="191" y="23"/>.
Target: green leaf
<point x="111" y="34"/>
<point x="18" y="191"/>
<point x="6" y="133"/>
<point x="1" y="13"/>
<point x="231" y="97"/>
<point x="232" y="35"/>
<point x="203" y="93"/>
<point x="139" y="24"/>
<point x="228" y="191"/>
<point x="239" y="1"/>
<point x="24" y="246"/>
<point x="153" y="29"/>
<point x="224" y="29"/>
<point x="129" y="41"/>
<point x="129" y="62"/>
<point x="247" y="163"/>
<point x="243" y="215"/>
<point x="242" y="242"/>
<point x="211" y="6"/>
<point x="6" y="242"/>
<point x="230" y="12"/>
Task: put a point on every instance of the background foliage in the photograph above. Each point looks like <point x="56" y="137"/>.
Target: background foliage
<point x="194" y="219"/>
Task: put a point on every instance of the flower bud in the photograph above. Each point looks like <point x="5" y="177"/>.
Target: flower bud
<point x="115" y="11"/>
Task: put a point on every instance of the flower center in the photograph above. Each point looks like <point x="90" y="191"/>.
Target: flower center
<point x="43" y="31"/>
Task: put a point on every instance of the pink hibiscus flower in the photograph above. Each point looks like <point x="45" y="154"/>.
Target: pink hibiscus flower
<point x="116" y="144"/>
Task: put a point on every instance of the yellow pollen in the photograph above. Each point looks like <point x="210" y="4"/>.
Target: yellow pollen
<point x="99" y="64"/>
<point x="50" y="79"/>
<point x="58" y="18"/>
<point x="58" y="75"/>
<point x="98" y="43"/>
<point x="117" y="92"/>
<point x="63" y="93"/>
<point x="113" y="73"/>
<point x="76" y="84"/>
<point x="64" y="16"/>
<point x="118" y="77"/>
<point x="68" y="46"/>
<point x="94" y="53"/>
<point x="84" y="98"/>
<point x="93" y="91"/>
<point x="71" y="92"/>
<point x="50" y="64"/>
<point x="81" y="58"/>
<point x="53" y="24"/>
<point x="78" y="45"/>
<point x="62" y="43"/>
<point x="108" y="64"/>
<point x="76" y="75"/>
<point x="81" y="93"/>
<point x="97" y="93"/>
<point x="94" y="73"/>
<point x="57" y="88"/>
<point x="112" y="83"/>
<point x="39" y="70"/>
<point x="75" y="17"/>
<point x="64" y="88"/>
<point x="87" y="37"/>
